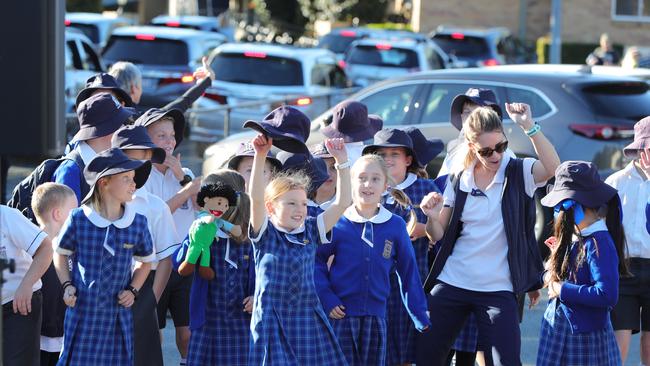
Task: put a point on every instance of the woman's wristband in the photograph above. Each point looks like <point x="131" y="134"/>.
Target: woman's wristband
<point x="533" y="130"/>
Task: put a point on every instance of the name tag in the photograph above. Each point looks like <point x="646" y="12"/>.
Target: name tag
<point x="128" y="246"/>
<point x="388" y="248"/>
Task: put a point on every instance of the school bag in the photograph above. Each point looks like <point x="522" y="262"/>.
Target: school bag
<point x="21" y="197"/>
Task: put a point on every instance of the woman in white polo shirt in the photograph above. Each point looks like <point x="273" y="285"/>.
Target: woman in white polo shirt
<point x="489" y="253"/>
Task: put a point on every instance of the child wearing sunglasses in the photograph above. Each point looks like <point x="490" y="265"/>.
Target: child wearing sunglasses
<point x="489" y="253"/>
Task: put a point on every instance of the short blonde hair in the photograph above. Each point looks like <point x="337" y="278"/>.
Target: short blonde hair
<point x="285" y="182"/>
<point x="48" y="196"/>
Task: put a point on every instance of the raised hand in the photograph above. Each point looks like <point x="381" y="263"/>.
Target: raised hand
<point x="520" y="113"/>
<point x="431" y="205"/>
<point x="336" y="148"/>
<point x="262" y="144"/>
<point x="204" y="71"/>
<point x="644" y="161"/>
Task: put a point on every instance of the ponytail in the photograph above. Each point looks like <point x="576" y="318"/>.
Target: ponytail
<point x="559" y="261"/>
<point x="405" y="202"/>
<point x="420" y="172"/>
<point x="613" y="220"/>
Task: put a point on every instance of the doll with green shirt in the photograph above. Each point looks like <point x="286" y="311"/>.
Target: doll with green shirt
<point x="214" y="199"/>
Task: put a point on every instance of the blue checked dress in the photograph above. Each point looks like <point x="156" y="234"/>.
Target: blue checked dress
<point x="225" y="336"/>
<point x="97" y="330"/>
<point x="401" y="332"/>
<point x="289" y="326"/>
<point x="363" y="338"/>
<point x="558" y="346"/>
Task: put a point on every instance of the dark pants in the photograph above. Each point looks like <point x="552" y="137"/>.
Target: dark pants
<point x="49" y="358"/>
<point x="146" y="337"/>
<point x="496" y="315"/>
<point x="21" y="334"/>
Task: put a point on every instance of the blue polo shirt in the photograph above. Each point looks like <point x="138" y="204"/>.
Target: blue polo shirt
<point x="365" y="250"/>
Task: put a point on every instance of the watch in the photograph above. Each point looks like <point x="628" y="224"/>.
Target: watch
<point x="134" y="291"/>
<point x="186" y="179"/>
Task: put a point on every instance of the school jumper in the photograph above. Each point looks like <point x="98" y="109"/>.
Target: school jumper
<point x="576" y="328"/>
<point x="401" y="333"/>
<point x="98" y="330"/>
<point x="289" y="326"/>
<point x="367" y="252"/>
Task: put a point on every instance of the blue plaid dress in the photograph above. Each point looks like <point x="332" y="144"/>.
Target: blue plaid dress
<point x="558" y="346"/>
<point x="362" y="338"/>
<point x="467" y="340"/>
<point x="401" y="332"/>
<point x="289" y="326"/>
<point x="225" y="336"/>
<point x="99" y="331"/>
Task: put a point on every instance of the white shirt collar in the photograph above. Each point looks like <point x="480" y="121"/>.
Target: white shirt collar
<point x="323" y="206"/>
<point x="467" y="179"/>
<point x="311" y="203"/>
<point x="99" y="221"/>
<point x="410" y="179"/>
<point x="382" y="216"/>
<point x="86" y="152"/>
<point x="598" y="225"/>
<point x="297" y="230"/>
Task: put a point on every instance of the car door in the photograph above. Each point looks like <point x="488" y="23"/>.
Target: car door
<point x="396" y="104"/>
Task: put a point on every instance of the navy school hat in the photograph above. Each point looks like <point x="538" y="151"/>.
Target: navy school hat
<point x="391" y="137"/>
<point x="133" y="137"/>
<point x="579" y="181"/>
<point x="425" y="150"/>
<point x="479" y="96"/>
<point x="114" y="161"/>
<point x="100" y="115"/>
<point x="352" y="123"/>
<point x="319" y="150"/>
<point x="246" y="149"/>
<point x="314" y="167"/>
<point x="287" y="126"/>
<point x="103" y="81"/>
<point x="154" y="115"/>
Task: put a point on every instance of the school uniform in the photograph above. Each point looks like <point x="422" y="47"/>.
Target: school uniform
<point x="289" y="326"/>
<point x="70" y="173"/>
<point x="98" y="330"/>
<point x="368" y="250"/>
<point x="576" y="328"/>
<point x="19" y="240"/>
<point x="314" y="209"/>
<point x="222" y="334"/>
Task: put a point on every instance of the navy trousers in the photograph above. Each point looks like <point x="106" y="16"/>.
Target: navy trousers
<point x="496" y="315"/>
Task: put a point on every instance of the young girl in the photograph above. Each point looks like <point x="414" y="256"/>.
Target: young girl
<point x="367" y="243"/>
<point x="220" y="325"/>
<point x="242" y="163"/>
<point x="326" y="192"/>
<point x="583" y="270"/>
<point x="314" y="168"/>
<point x="102" y="238"/>
<point x="289" y="326"/>
<point x="396" y="148"/>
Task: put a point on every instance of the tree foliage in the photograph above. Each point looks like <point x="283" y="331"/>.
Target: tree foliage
<point x="91" y="6"/>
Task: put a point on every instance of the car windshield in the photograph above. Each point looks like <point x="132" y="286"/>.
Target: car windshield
<point x="383" y="55"/>
<point x="462" y="45"/>
<point x="337" y="43"/>
<point x="257" y="68"/>
<point x="91" y="31"/>
<point x="146" y="49"/>
<point x="629" y="101"/>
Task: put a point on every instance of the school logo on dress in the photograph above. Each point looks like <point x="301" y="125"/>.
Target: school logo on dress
<point x="128" y="246"/>
<point x="388" y="248"/>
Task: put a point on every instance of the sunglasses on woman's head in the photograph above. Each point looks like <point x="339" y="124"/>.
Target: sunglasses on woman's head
<point x="486" y="152"/>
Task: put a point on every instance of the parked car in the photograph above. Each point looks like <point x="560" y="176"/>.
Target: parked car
<point x="266" y="76"/>
<point x="166" y="56"/>
<point x="96" y="27"/>
<point x="339" y="39"/>
<point x="481" y="46"/>
<point x="586" y="116"/>
<point x="370" y="60"/>
<point x="198" y="22"/>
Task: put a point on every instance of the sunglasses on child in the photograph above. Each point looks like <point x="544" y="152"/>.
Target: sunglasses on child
<point x="486" y="152"/>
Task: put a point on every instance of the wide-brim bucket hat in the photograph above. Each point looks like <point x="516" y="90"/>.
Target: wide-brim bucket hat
<point x="154" y="115"/>
<point x="425" y="149"/>
<point x="314" y="167"/>
<point x="391" y="137"/>
<point x="641" y="138"/>
<point x="352" y="123"/>
<point x="246" y="150"/>
<point x="579" y="181"/>
<point x="136" y="138"/>
<point x="479" y="96"/>
<point x="114" y="161"/>
<point x="101" y="115"/>
<point x="103" y="81"/>
<point x="287" y="126"/>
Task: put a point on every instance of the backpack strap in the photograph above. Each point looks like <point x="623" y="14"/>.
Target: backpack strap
<point x="75" y="156"/>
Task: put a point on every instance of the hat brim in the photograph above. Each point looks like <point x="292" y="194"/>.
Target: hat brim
<point x="457" y="109"/>
<point x="375" y="123"/>
<point x="432" y="149"/>
<point x="282" y="140"/>
<point x="632" y="150"/>
<point x="158" y="154"/>
<point x="372" y="149"/>
<point x="122" y="96"/>
<point x="142" y="170"/>
<point x="106" y="128"/>
<point x="234" y="161"/>
<point x="592" y="198"/>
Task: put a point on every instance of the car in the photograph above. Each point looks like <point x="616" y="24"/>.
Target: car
<point x="339" y="39"/>
<point x="586" y="116"/>
<point x="370" y="60"/>
<point x="166" y="56"/>
<point x="475" y="47"/>
<point x="199" y="22"/>
<point x="96" y="27"/>
<point x="265" y="76"/>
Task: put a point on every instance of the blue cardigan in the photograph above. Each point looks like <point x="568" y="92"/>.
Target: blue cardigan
<point x="359" y="276"/>
<point x="591" y="290"/>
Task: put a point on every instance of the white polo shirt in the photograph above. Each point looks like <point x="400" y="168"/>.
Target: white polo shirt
<point x="479" y="261"/>
<point x="634" y="192"/>
<point x="160" y="222"/>
<point x="166" y="186"/>
<point x="19" y="240"/>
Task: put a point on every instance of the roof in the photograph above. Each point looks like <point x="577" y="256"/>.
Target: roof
<point x="275" y="50"/>
<point x="165" y="32"/>
<point x="471" y="31"/>
<point x="186" y="19"/>
<point x="93" y="18"/>
<point x="399" y="43"/>
<point x="595" y="70"/>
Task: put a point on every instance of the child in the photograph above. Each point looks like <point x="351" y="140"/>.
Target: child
<point x="366" y="244"/>
<point x="326" y="192"/>
<point x="102" y="238"/>
<point x="396" y="148"/>
<point x="242" y="163"/>
<point x="583" y="269"/>
<point x="220" y="317"/>
<point x="289" y="326"/>
<point x="314" y="168"/>
<point x="51" y="204"/>
<point x="31" y="249"/>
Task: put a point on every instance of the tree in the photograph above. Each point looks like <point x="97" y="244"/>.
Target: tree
<point x="328" y="10"/>
<point x="92" y="6"/>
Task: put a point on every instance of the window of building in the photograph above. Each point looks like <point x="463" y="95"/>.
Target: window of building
<point x="631" y="10"/>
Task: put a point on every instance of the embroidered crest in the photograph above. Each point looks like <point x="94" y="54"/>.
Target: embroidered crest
<point x="128" y="246"/>
<point x="388" y="248"/>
